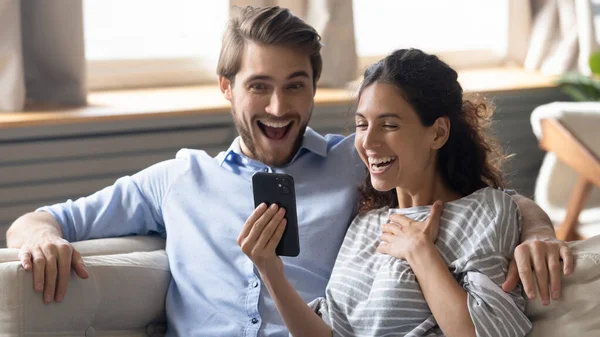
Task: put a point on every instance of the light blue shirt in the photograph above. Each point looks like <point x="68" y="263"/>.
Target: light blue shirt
<point x="200" y="204"/>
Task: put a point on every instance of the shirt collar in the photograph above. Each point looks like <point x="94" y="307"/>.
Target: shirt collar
<point x="312" y="142"/>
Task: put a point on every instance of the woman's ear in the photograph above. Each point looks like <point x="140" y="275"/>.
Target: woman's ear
<point x="225" y="86"/>
<point x="441" y="132"/>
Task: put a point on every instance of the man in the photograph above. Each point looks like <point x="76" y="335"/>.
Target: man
<point x="268" y="69"/>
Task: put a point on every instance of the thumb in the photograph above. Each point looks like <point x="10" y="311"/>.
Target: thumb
<point x="78" y="265"/>
<point x="512" y="277"/>
<point x="436" y="213"/>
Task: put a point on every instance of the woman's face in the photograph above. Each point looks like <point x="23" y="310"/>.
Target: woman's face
<point x="396" y="148"/>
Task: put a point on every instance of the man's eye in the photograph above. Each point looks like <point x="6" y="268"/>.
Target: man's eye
<point x="258" y="86"/>
<point x="296" y="86"/>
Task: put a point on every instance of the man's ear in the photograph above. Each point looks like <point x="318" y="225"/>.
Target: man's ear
<point x="441" y="132"/>
<point x="225" y="86"/>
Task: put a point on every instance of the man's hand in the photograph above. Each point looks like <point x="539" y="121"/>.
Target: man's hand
<point x="542" y="257"/>
<point x="43" y="251"/>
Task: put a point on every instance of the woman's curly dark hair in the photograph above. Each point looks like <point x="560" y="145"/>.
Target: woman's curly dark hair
<point x="471" y="158"/>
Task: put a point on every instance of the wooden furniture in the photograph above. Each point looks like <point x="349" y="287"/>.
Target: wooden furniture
<point x="559" y="139"/>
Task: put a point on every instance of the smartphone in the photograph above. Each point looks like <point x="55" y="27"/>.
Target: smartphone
<point x="278" y="188"/>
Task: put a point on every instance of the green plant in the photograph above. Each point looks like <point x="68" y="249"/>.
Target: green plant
<point x="582" y="87"/>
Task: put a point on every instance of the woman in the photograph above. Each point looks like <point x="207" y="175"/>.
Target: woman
<point x="422" y="143"/>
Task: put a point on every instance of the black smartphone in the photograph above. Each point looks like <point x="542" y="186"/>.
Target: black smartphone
<point x="278" y="188"/>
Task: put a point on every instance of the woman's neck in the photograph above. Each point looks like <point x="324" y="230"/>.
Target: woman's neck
<point x="430" y="189"/>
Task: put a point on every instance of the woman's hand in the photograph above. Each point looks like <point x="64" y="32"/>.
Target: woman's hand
<point x="260" y="237"/>
<point x="403" y="236"/>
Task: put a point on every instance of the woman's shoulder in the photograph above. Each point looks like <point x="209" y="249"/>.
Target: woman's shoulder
<point x="488" y="200"/>
<point x="372" y="215"/>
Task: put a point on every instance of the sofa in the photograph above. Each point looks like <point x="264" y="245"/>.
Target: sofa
<point x="129" y="277"/>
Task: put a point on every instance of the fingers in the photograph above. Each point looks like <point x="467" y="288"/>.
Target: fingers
<point x="512" y="277"/>
<point x="25" y="258"/>
<point x="51" y="255"/>
<point x="258" y="212"/>
<point x="391" y="228"/>
<point x="387" y="237"/>
<point x="39" y="269"/>
<point x="523" y="261"/>
<point x="567" y="257"/>
<point x="276" y="237"/>
<point x="269" y="230"/>
<point x="383" y="248"/>
<point x="401" y="220"/>
<point x="78" y="265"/>
<point x="555" y="273"/>
<point x="538" y="255"/>
<point x="65" y="252"/>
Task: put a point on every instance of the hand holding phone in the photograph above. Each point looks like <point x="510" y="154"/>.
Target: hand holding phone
<point x="278" y="188"/>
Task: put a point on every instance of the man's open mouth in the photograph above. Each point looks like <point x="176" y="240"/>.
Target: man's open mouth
<point x="275" y="130"/>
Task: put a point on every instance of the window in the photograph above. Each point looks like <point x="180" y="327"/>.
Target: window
<point x="462" y="32"/>
<point x="152" y="42"/>
<point x="144" y="43"/>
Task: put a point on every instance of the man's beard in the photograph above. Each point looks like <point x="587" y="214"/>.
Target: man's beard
<point x="245" y="133"/>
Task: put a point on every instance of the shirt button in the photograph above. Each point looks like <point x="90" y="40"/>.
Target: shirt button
<point x="266" y="169"/>
<point x="254" y="284"/>
<point x="254" y="320"/>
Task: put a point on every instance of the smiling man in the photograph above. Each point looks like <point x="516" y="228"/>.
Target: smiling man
<point x="269" y="65"/>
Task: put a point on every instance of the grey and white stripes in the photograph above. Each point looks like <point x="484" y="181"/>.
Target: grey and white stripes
<point x="371" y="294"/>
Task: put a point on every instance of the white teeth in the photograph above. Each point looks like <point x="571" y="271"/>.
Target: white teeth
<point x="373" y="161"/>
<point x="274" y="124"/>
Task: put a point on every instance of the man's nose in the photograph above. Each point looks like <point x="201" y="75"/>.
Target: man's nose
<point x="278" y="105"/>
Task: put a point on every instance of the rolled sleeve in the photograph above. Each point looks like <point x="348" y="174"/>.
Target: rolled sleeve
<point x="131" y="206"/>
<point x="494" y="312"/>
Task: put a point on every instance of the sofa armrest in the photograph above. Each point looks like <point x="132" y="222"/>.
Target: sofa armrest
<point x="124" y="295"/>
<point x="576" y="313"/>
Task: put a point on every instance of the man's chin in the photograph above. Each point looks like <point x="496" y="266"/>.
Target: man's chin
<point x="276" y="159"/>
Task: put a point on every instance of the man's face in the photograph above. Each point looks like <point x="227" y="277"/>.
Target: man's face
<point x="271" y="101"/>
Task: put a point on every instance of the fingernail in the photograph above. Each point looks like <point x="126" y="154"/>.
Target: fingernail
<point x="545" y="302"/>
<point x="59" y="298"/>
<point x="38" y="286"/>
<point x="555" y="295"/>
<point x="48" y="299"/>
<point x="531" y="296"/>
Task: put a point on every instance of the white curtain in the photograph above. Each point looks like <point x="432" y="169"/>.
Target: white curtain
<point x="42" y="57"/>
<point x="334" y="20"/>
<point x="561" y="35"/>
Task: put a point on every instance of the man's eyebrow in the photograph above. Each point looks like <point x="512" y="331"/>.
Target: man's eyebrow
<point x="260" y="77"/>
<point x="385" y="115"/>
<point x="300" y="73"/>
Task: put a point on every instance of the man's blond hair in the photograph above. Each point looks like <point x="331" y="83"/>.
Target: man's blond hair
<point x="267" y="26"/>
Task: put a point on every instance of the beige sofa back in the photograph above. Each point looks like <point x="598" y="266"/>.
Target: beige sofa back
<point x="129" y="277"/>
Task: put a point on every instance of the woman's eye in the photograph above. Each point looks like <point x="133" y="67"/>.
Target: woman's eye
<point x="390" y="126"/>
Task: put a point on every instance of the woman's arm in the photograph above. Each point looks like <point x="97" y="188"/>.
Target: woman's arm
<point x="298" y="317"/>
<point x="258" y="241"/>
<point x="445" y="297"/>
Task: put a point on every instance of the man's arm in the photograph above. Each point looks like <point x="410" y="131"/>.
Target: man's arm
<point x="38" y="237"/>
<point x="539" y="252"/>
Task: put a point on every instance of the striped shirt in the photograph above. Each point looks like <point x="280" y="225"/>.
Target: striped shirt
<point x="373" y="294"/>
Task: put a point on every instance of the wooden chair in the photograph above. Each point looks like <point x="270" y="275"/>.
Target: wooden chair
<point x="557" y="138"/>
